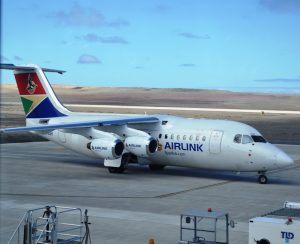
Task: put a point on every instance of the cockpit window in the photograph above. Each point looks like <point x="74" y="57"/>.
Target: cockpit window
<point x="247" y="139"/>
<point x="259" y="139"/>
<point x="237" y="138"/>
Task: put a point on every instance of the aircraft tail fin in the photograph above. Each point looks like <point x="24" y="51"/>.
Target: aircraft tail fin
<point x="37" y="95"/>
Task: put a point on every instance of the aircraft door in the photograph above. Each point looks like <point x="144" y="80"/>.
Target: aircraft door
<point x="215" y="141"/>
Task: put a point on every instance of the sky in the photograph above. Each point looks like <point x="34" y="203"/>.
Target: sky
<point x="158" y="43"/>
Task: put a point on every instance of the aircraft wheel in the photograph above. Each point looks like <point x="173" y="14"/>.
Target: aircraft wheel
<point x="124" y="163"/>
<point x="263" y="241"/>
<point x="116" y="170"/>
<point x="262" y="179"/>
<point x="156" y="166"/>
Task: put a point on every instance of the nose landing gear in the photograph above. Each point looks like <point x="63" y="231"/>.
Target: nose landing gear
<point x="262" y="178"/>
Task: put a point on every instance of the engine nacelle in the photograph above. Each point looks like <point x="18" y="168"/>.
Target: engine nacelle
<point x="107" y="148"/>
<point x="141" y="146"/>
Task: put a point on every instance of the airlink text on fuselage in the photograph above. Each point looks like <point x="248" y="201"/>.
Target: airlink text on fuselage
<point x="183" y="146"/>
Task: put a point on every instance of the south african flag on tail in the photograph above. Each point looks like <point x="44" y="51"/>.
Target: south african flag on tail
<point x="37" y="96"/>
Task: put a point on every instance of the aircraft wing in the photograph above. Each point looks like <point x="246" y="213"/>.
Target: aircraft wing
<point x="84" y="124"/>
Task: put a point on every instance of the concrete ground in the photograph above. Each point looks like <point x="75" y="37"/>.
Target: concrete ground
<point x="140" y="204"/>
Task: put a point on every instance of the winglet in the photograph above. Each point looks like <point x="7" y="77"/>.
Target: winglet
<point x="17" y="67"/>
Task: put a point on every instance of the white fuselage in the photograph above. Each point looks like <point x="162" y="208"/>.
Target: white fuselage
<point x="157" y="140"/>
<point x="198" y="143"/>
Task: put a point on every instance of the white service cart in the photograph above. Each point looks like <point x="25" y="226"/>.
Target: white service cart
<point x="281" y="226"/>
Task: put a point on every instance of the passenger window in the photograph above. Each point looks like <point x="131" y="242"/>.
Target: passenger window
<point x="191" y="137"/>
<point x="197" y="138"/>
<point x="237" y="138"/>
<point x="184" y="137"/>
<point x="203" y="138"/>
<point x="166" y="136"/>
<point x="159" y="136"/>
<point x="172" y="136"/>
<point x="178" y="137"/>
<point x="247" y="139"/>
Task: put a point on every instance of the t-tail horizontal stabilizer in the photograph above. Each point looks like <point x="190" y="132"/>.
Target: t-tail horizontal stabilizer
<point x="28" y="68"/>
<point x="37" y="96"/>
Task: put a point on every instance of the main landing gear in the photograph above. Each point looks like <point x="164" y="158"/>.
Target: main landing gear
<point x="262" y="178"/>
<point x="117" y="170"/>
<point x="156" y="167"/>
<point x="126" y="159"/>
<point x="122" y="168"/>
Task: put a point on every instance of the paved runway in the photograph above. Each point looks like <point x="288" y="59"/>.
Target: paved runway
<point x="140" y="204"/>
<point x="228" y="110"/>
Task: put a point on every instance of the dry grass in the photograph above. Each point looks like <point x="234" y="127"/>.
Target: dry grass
<point x="167" y="97"/>
<point x="276" y="127"/>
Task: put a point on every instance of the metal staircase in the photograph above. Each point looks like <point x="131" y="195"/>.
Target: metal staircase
<point x="52" y="224"/>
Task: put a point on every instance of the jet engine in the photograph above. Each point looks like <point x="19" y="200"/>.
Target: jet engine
<point x="141" y="146"/>
<point x="106" y="148"/>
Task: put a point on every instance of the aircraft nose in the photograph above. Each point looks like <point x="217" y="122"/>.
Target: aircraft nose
<point x="283" y="159"/>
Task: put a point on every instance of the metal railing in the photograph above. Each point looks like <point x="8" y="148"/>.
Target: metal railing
<point x="16" y="233"/>
<point x="50" y="224"/>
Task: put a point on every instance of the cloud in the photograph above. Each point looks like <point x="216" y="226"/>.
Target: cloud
<point x="80" y="16"/>
<point x="107" y="40"/>
<point x="118" y="23"/>
<point x="187" y="65"/>
<point x="4" y="59"/>
<point x="161" y="8"/>
<point x="193" y="36"/>
<point x="88" y="59"/>
<point x="18" y="58"/>
<point x="283" y="6"/>
<point x="279" y="80"/>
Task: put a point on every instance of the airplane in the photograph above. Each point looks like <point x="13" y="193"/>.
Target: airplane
<point x="156" y="140"/>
